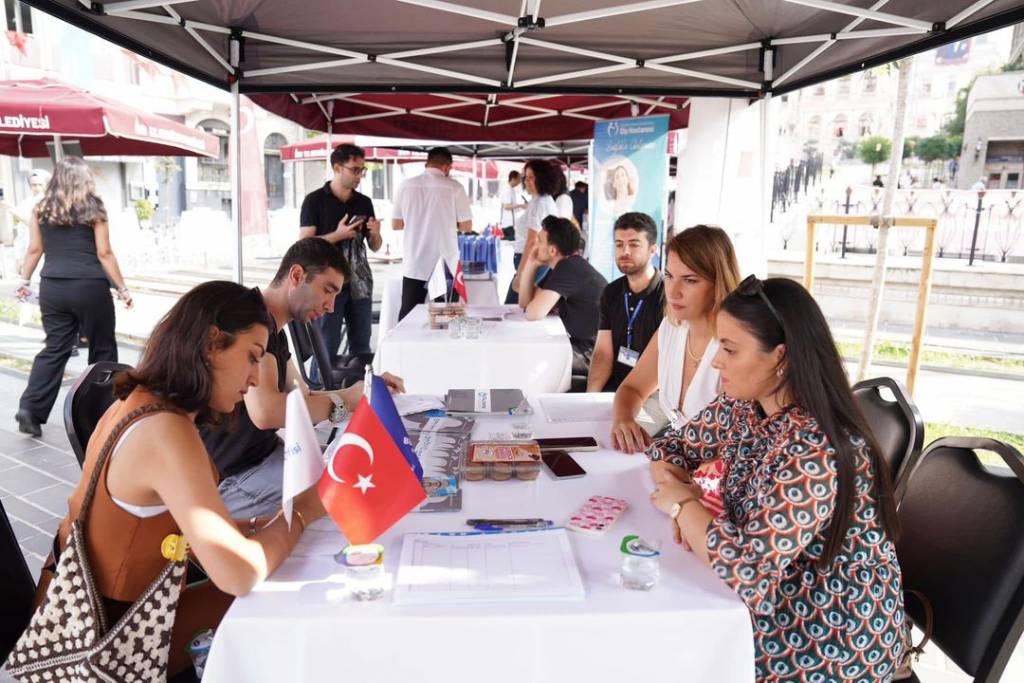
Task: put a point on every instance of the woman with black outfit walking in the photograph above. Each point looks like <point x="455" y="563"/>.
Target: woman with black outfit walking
<point x="69" y="226"/>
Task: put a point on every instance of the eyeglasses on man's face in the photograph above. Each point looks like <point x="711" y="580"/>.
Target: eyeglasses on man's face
<point x="356" y="170"/>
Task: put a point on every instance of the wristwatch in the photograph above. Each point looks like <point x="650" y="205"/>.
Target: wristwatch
<point x="676" y="508"/>
<point x="338" y="410"/>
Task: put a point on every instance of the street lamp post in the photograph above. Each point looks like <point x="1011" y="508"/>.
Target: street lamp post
<point x="846" y="210"/>
<point x="977" y="221"/>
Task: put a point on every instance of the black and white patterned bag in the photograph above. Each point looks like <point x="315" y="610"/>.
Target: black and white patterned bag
<point x="68" y="638"/>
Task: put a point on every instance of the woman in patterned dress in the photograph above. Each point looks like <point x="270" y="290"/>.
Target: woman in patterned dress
<point x="807" y="536"/>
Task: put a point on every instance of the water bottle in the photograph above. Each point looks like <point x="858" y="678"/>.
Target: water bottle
<point x="640" y="563"/>
<point x="199" y="649"/>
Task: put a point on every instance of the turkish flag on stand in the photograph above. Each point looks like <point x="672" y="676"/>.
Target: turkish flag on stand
<point x="368" y="484"/>
<point x="459" y="283"/>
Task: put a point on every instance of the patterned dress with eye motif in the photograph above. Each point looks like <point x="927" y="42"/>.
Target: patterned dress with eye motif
<point x="840" y="622"/>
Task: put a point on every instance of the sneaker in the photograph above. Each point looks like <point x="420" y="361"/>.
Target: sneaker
<point x="27" y="424"/>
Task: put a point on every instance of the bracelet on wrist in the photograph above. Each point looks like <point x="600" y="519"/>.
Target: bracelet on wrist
<point x="302" y="521"/>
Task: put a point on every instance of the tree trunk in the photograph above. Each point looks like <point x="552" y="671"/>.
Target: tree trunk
<point x="906" y="69"/>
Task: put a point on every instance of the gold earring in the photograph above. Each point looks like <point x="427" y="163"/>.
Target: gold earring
<point x="778" y="372"/>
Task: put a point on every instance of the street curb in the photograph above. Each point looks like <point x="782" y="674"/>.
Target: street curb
<point x="945" y="369"/>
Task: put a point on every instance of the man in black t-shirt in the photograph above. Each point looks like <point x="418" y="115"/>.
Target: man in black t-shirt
<point x="631" y="307"/>
<point x="579" y="201"/>
<point x="247" y="451"/>
<point x="344" y="217"/>
<point x="572" y="284"/>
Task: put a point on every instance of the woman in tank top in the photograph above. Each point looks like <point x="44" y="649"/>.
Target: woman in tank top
<point x="69" y="226"/>
<point x="200" y="361"/>
<point x="700" y="271"/>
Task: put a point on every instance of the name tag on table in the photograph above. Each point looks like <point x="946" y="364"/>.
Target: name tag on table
<point x="628" y="356"/>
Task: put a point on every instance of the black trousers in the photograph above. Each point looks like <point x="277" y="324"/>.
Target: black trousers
<point x="67" y="307"/>
<point x="512" y="297"/>
<point x="414" y="293"/>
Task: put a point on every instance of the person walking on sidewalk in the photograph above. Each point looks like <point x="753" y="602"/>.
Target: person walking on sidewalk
<point x="69" y="225"/>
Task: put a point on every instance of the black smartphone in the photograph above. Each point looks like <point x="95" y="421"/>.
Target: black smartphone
<point x="569" y="443"/>
<point x="561" y="465"/>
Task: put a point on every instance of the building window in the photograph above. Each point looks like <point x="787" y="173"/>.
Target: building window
<point x="926" y="87"/>
<point x="1012" y="181"/>
<point x="215" y="170"/>
<point x="273" y="170"/>
<point x="870" y="83"/>
<point x="19" y="16"/>
<point x="839" y="125"/>
<point x="814" y="128"/>
<point x="951" y="88"/>
<point x="865" y="124"/>
<point x="819" y="90"/>
<point x="844" y="85"/>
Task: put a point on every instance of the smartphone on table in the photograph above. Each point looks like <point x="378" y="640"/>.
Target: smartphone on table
<point x="570" y="443"/>
<point x="562" y="465"/>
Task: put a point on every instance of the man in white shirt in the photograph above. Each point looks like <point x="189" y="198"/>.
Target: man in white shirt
<point x="23" y="213"/>
<point x="512" y="205"/>
<point x="434" y="207"/>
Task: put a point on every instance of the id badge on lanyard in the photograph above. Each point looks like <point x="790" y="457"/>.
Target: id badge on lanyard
<point x="627" y="356"/>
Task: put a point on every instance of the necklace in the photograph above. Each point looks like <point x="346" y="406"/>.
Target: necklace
<point x="696" y="359"/>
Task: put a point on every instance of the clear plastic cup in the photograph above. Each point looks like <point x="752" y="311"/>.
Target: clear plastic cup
<point x="522" y="430"/>
<point x="456" y="327"/>
<point x="472" y="327"/>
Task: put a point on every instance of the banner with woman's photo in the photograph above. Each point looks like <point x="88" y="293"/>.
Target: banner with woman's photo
<point x="628" y="172"/>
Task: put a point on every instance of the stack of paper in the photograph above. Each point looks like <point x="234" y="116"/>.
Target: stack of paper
<point x="522" y="566"/>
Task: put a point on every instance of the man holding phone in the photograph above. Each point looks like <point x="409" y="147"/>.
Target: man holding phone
<point x="340" y="214"/>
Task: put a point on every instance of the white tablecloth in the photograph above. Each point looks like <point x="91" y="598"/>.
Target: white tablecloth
<point x="480" y="292"/>
<point x="298" y="626"/>
<point x="511" y="354"/>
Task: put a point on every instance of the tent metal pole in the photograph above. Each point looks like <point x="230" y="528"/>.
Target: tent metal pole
<point x="330" y="140"/>
<point x="235" y="162"/>
<point x="884" y="17"/>
<point x="766" y="163"/>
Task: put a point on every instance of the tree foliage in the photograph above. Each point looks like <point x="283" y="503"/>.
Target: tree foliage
<point x="874" y="150"/>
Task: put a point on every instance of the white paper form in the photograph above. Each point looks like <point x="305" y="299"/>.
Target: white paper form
<point x="471" y="568"/>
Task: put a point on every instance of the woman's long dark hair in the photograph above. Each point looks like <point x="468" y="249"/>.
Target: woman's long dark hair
<point x="175" y="365"/>
<point x="544" y="177"/>
<point x="813" y="377"/>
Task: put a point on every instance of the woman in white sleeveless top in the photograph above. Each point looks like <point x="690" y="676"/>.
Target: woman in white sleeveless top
<point x="700" y="271"/>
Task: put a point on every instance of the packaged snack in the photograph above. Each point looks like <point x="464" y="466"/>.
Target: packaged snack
<point x="501" y="461"/>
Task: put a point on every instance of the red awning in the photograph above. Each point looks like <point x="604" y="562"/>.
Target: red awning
<point x="315" y="149"/>
<point x="33" y="112"/>
<point x="469" y="118"/>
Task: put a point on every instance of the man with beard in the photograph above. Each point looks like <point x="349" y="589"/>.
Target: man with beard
<point x="571" y="285"/>
<point x="247" y="451"/>
<point x="631" y="306"/>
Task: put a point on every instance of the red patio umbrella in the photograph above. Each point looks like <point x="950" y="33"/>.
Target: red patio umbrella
<point x="35" y="112"/>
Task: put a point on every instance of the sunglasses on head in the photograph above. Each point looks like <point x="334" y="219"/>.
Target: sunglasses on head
<point x="752" y="286"/>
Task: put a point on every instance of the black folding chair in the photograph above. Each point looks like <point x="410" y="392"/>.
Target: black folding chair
<point x="962" y="548"/>
<point x="89" y="397"/>
<point x="17" y="588"/>
<point x="896" y="423"/>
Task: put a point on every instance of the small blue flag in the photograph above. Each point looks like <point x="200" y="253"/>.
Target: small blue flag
<point x="387" y="413"/>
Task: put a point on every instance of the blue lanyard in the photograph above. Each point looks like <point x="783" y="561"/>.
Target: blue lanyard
<point x="632" y="318"/>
